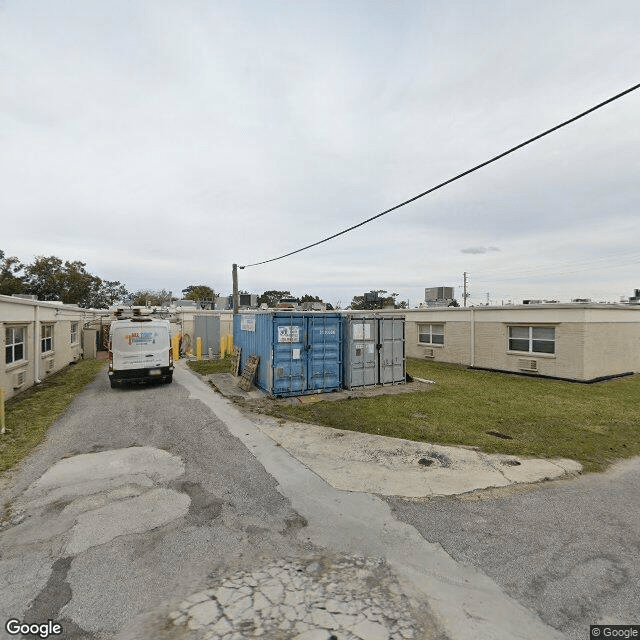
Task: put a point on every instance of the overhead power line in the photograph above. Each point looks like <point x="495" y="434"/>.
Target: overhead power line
<point x="619" y="260"/>
<point x="450" y="180"/>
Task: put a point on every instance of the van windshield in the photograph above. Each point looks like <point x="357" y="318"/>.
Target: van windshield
<point x="134" y="338"/>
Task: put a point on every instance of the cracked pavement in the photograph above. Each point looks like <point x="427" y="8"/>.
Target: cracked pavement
<point x="163" y="512"/>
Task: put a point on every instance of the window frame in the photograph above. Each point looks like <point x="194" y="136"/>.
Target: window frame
<point x="76" y="332"/>
<point x="430" y="333"/>
<point x="46" y="340"/>
<point x="12" y="345"/>
<point x="531" y="340"/>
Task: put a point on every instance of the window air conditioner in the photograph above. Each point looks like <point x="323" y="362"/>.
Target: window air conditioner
<point x="18" y="379"/>
<point x="525" y="364"/>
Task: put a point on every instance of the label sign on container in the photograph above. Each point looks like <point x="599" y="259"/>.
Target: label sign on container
<point x="288" y="334"/>
<point x="361" y="331"/>
<point x="247" y="322"/>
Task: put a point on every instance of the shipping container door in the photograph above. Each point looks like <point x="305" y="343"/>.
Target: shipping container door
<point x="362" y="361"/>
<point x="207" y="328"/>
<point x="392" y="358"/>
<point x="324" y="361"/>
<point x="289" y="355"/>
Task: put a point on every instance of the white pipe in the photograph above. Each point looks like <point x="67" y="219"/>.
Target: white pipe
<point x="36" y="343"/>
<point x="473" y="338"/>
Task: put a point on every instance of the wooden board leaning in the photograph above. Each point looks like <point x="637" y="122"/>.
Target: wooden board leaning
<point x="249" y="373"/>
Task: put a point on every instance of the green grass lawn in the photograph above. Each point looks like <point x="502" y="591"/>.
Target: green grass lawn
<point x="594" y="424"/>
<point x="204" y="367"/>
<point x="30" y="414"/>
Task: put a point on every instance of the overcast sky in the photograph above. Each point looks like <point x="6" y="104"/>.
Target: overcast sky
<point x="159" y="142"/>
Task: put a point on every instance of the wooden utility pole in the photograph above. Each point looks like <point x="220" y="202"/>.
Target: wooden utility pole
<point x="236" y="301"/>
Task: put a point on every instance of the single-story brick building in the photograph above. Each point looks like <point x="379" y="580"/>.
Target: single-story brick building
<point x="583" y="342"/>
<point x="39" y="338"/>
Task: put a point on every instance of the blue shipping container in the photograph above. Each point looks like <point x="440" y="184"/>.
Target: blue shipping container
<point x="300" y="353"/>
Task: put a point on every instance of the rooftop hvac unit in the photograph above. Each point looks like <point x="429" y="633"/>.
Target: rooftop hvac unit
<point x="524" y="364"/>
<point x="438" y="293"/>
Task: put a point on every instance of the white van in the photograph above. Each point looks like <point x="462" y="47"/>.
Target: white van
<point x="140" y="350"/>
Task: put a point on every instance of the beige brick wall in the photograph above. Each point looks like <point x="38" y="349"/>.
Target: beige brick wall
<point x="21" y="314"/>
<point x="611" y="348"/>
<point x="492" y="350"/>
<point x="592" y="341"/>
<point x="457" y="338"/>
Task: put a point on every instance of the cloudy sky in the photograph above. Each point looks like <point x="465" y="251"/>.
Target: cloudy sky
<point x="161" y="141"/>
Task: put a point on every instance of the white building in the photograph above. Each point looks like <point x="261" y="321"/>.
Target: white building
<point x="38" y="339"/>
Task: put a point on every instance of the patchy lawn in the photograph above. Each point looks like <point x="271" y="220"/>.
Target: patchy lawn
<point x="595" y="424"/>
<point x="30" y="414"/>
<point x="205" y="367"/>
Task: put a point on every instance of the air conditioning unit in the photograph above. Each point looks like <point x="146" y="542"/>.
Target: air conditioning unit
<point x="48" y="365"/>
<point x="524" y="364"/>
<point x="18" y="379"/>
<point x="429" y="353"/>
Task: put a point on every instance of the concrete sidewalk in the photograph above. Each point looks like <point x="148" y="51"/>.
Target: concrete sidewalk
<point x="354" y="461"/>
<point x="461" y="601"/>
<point x="393" y="467"/>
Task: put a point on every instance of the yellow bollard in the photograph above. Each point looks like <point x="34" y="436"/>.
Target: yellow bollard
<point x="223" y="348"/>
<point x="175" y="347"/>
<point x="229" y="343"/>
<point x="198" y="348"/>
<point x="1" y="411"/>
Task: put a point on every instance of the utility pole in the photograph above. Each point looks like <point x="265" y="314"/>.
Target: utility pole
<point x="236" y="296"/>
<point x="465" y="294"/>
<point x="234" y="275"/>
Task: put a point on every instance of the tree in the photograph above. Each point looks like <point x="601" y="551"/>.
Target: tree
<point x="144" y="297"/>
<point x="10" y="281"/>
<point x="51" y="279"/>
<point x="373" y="300"/>
<point x="272" y="297"/>
<point x="110" y="292"/>
<point x="309" y="298"/>
<point x="198" y="292"/>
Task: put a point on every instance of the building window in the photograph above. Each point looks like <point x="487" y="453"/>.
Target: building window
<point x="46" y="335"/>
<point x="74" y="332"/>
<point x="532" y="339"/>
<point x="14" y="344"/>
<point x="431" y="333"/>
